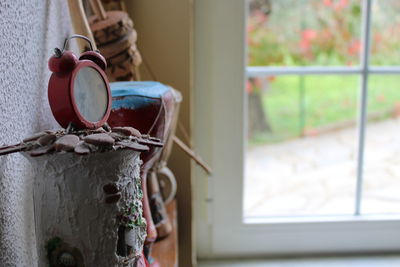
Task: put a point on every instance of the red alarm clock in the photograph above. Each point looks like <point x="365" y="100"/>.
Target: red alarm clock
<point x="79" y="92"/>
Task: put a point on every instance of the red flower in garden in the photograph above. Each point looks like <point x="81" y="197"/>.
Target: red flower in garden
<point x="342" y="4"/>
<point x="307" y="36"/>
<point x="339" y="4"/>
<point x="253" y="85"/>
<point x="328" y="2"/>
<point x="249" y="87"/>
<point x="260" y="16"/>
<point x="396" y="109"/>
<point x="354" y="48"/>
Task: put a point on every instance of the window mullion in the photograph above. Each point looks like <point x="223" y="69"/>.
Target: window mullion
<point x="257" y="71"/>
<point x="365" y="53"/>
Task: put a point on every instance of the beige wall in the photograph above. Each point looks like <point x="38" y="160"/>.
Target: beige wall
<point x="165" y="40"/>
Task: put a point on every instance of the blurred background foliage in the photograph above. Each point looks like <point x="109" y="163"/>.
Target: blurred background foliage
<point x="317" y="33"/>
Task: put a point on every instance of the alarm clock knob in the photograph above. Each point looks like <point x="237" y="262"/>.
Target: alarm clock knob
<point x="96" y="57"/>
<point x="62" y="61"/>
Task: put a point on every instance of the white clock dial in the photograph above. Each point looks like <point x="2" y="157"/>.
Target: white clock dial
<point x="90" y="93"/>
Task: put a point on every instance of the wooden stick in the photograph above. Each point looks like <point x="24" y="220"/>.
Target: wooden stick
<point x="10" y="146"/>
<point x="193" y="155"/>
<point x="12" y="149"/>
<point x="98" y="9"/>
<point x="80" y="23"/>
<point x="185" y="134"/>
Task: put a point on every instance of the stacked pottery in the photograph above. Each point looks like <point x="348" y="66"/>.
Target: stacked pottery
<point x="114" y="4"/>
<point x="116" y="39"/>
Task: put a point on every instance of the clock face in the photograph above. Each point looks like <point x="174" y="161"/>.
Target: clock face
<point x="91" y="95"/>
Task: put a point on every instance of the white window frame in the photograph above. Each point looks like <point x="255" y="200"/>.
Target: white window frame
<point x="220" y="112"/>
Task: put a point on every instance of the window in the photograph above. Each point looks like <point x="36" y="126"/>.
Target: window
<point x="321" y="56"/>
<point x="352" y="224"/>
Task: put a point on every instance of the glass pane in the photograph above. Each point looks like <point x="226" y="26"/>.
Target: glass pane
<point x="301" y="154"/>
<point x="304" y="32"/>
<point x="385" y="35"/>
<point x="90" y="94"/>
<point x="382" y="147"/>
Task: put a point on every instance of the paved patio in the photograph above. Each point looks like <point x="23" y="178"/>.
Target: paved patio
<point x="317" y="175"/>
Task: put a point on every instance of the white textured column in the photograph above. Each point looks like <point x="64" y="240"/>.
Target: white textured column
<point x="80" y="203"/>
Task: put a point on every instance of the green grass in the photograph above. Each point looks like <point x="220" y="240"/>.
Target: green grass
<point x="327" y="100"/>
